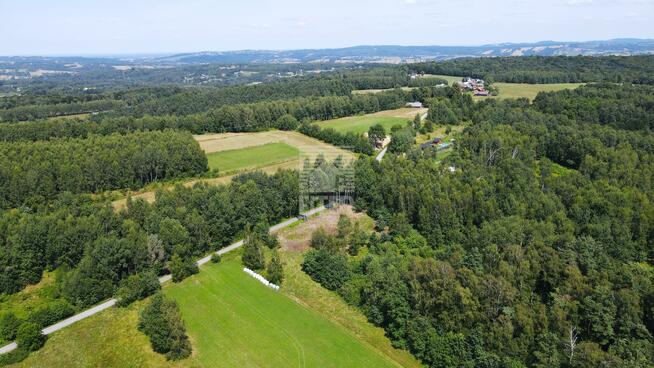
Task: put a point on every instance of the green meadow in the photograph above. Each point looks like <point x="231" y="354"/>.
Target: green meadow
<point x="517" y="90"/>
<point x="361" y="124"/>
<point x="251" y="157"/>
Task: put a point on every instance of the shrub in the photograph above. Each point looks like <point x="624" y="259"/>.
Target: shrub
<point x="252" y="254"/>
<point x="14" y="356"/>
<point x="319" y="239"/>
<point x="326" y="267"/>
<point x="29" y="336"/>
<point x="216" y="258"/>
<point x="137" y="287"/>
<point x="51" y="313"/>
<point x="287" y="122"/>
<point x="8" y="326"/>
<point x="162" y="323"/>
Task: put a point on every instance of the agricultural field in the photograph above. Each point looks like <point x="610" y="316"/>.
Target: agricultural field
<point x="517" y="90"/>
<point x="360" y="124"/>
<point x="252" y="157"/>
<point x="244" y="160"/>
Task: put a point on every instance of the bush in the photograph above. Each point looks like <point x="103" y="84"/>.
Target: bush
<point x="216" y="258"/>
<point x="29" y="336"/>
<point x="162" y="323"/>
<point x="14" y="356"/>
<point x="182" y="267"/>
<point x="137" y="287"/>
<point x="287" y="122"/>
<point x="319" y="239"/>
<point x="252" y="254"/>
<point x="52" y="313"/>
<point x="326" y="267"/>
<point x="8" y="326"/>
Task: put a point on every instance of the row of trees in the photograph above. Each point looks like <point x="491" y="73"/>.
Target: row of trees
<point x="230" y="118"/>
<point x="32" y="171"/>
<point x="34" y="112"/>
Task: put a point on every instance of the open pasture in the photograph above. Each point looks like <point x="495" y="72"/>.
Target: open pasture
<point x="517" y="90"/>
<point x="360" y="124"/>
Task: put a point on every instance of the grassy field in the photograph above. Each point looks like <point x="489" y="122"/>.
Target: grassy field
<point x="252" y="157"/>
<point x="516" y="90"/>
<point x="449" y="78"/>
<point x="360" y="124"/>
<point x="232" y="321"/>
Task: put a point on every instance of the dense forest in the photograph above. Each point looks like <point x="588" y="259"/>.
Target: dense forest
<point x="34" y="171"/>
<point x="101" y="247"/>
<point x="536" y="251"/>
<point x="558" y="69"/>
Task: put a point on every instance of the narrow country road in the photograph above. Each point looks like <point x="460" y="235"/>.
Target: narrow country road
<point x="111" y="302"/>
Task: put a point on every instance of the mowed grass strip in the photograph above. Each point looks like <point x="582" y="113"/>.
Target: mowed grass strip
<point x="235" y="321"/>
<point x="252" y="157"/>
<point x="361" y="124"/>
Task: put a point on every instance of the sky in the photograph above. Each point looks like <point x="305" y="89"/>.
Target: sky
<point x="102" y="27"/>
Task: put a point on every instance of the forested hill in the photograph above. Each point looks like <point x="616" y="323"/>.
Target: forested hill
<point x="396" y="54"/>
<point x="536" y="69"/>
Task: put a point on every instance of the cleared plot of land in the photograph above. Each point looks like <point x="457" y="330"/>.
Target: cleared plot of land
<point x="516" y="90"/>
<point x="361" y="124"/>
<point x="252" y="158"/>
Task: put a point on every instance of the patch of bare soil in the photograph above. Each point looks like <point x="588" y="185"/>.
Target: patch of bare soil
<point x="298" y="238"/>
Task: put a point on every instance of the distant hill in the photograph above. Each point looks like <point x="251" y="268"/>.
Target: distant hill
<point x="401" y="54"/>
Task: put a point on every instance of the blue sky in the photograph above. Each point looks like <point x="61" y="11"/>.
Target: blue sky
<point x="93" y="27"/>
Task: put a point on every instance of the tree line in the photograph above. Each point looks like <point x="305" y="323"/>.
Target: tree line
<point x="231" y="118"/>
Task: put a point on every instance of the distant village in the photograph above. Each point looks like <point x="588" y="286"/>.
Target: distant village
<point x="475" y="85"/>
